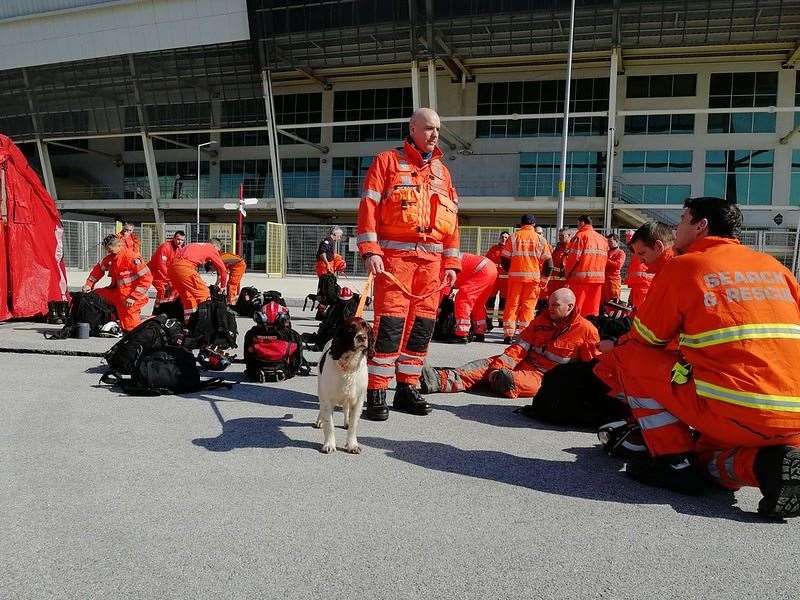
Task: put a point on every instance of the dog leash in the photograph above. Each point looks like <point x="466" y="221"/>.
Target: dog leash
<point x="362" y="301"/>
<point x="391" y="277"/>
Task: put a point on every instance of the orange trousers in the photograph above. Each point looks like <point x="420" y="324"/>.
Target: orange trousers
<point x="520" y="307"/>
<point x="403" y="326"/>
<point x="235" y="275"/>
<point x="129" y="316"/>
<point x="188" y="284"/>
<point x="587" y="297"/>
<point x="164" y="290"/>
<point x="470" y="303"/>
<point x="637" y="295"/>
<point x="526" y="377"/>
<point x="611" y="289"/>
<point x="725" y="448"/>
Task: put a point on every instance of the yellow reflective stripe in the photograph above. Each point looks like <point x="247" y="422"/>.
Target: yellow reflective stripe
<point x="740" y="333"/>
<point x="646" y="334"/>
<point x="747" y="399"/>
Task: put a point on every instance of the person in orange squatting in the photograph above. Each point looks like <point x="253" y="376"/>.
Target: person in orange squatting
<point x="527" y="257"/>
<point x="236" y="267"/>
<point x="129" y="239"/>
<point x="616" y="260"/>
<point x="638" y="279"/>
<point x="474" y="284"/>
<point x="585" y="266"/>
<point x="556" y="336"/>
<point x="408" y="235"/>
<point x="130" y="280"/>
<point x="501" y="283"/>
<point x="727" y="405"/>
<point x="159" y="263"/>
<point x="185" y="279"/>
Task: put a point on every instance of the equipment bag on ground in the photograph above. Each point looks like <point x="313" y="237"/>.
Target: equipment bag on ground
<point x="153" y="334"/>
<point x="213" y="324"/>
<point x="169" y="370"/>
<point x="273" y="351"/>
<point x="85" y="307"/>
<point x="172" y="309"/>
<point x="445" y="326"/>
<point x="336" y="315"/>
<point x="249" y="301"/>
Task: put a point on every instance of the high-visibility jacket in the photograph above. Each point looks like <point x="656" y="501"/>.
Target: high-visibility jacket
<point x="128" y="272"/>
<point x="527" y="250"/>
<point x="546" y="343"/>
<point x="160" y="260"/>
<point x="586" y="256"/>
<point x="638" y="274"/>
<point x="229" y="259"/>
<point x="557" y="279"/>
<point x="655" y="268"/>
<point x="200" y="253"/>
<point x="409" y="204"/>
<point x="735" y="313"/>
<point x="616" y="258"/>
<point x="131" y="242"/>
<point x="494" y="254"/>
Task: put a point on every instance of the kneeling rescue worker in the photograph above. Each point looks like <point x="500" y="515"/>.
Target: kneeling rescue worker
<point x="130" y="280"/>
<point x="474" y="284"/>
<point x="556" y="336"/>
<point x="185" y="279"/>
<point x="408" y="235"/>
<point x="159" y="263"/>
<point x="735" y="381"/>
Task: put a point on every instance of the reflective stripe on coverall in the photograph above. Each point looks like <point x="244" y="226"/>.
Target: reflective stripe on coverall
<point x="130" y="280"/>
<point x="735" y="313"/>
<point x="585" y="267"/>
<point x="474" y="284"/>
<point x="407" y="215"/>
<point x="527" y="251"/>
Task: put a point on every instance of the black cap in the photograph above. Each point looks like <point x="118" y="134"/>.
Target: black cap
<point x="527" y="220"/>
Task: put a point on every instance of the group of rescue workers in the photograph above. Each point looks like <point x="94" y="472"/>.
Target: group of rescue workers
<point x="172" y="271"/>
<point x="708" y="370"/>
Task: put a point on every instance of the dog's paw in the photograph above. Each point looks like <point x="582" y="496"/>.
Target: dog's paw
<point x="352" y="448"/>
<point x="328" y="448"/>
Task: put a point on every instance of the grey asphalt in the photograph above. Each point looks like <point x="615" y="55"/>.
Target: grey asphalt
<point x="224" y="494"/>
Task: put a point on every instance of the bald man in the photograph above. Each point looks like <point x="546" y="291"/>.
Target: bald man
<point x="556" y="336"/>
<point x="408" y="237"/>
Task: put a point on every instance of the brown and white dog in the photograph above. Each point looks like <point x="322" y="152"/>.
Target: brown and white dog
<point x="343" y="381"/>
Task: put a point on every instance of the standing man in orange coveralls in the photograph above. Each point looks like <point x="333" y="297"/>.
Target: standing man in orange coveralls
<point x="185" y="279"/>
<point x="585" y="266"/>
<point x="236" y="267"/>
<point x="408" y="229"/>
<point x="735" y="381"/>
<point x="556" y="336"/>
<point x="130" y="280"/>
<point x="129" y="239"/>
<point x="616" y="260"/>
<point x="556" y="281"/>
<point x="474" y="283"/>
<point x="527" y="255"/>
<point x="159" y="263"/>
<point x="500" y="285"/>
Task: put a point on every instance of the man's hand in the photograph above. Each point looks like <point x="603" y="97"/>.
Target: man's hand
<point x="86" y="289"/>
<point x="605" y="346"/>
<point x="449" y="277"/>
<point x="374" y="264"/>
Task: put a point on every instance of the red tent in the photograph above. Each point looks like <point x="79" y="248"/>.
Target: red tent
<point x="32" y="271"/>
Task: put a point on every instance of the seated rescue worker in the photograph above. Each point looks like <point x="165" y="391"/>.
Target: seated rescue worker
<point x="236" y="266"/>
<point x="130" y="280"/>
<point x="735" y="381"/>
<point x="474" y="283"/>
<point x="556" y="336"/>
<point x="185" y="279"/>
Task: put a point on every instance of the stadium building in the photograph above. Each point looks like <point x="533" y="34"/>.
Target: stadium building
<point x="135" y="108"/>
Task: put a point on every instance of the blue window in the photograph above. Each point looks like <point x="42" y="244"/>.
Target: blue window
<point x="657" y="161"/>
<point x="732" y="90"/>
<point x="741" y="175"/>
<point x="539" y="171"/>
<point x="656" y="194"/>
<point x="794" y="188"/>
<point x="659" y="124"/>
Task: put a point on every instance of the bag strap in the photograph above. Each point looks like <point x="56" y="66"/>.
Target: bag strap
<point x="215" y="383"/>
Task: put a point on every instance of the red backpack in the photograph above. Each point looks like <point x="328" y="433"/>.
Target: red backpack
<point x="273" y="351"/>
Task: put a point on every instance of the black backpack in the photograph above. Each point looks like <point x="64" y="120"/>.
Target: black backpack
<point x="571" y="394"/>
<point x="213" y="324"/>
<point x="327" y="289"/>
<point x="613" y="322"/>
<point x="153" y="334"/>
<point x="172" y="309"/>
<point x="336" y="315"/>
<point x="85" y="307"/>
<point x="445" y="325"/>
<point x="248" y="302"/>
<point x="274" y="354"/>
<point x="170" y="370"/>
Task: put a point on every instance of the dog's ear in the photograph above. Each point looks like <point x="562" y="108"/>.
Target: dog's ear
<point x="370" y="341"/>
<point x="342" y="341"/>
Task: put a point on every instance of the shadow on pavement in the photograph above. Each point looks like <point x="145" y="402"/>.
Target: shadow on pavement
<point x="592" y="476"/>
<point x="501" y="415"/>
<point x="254" y="432"/>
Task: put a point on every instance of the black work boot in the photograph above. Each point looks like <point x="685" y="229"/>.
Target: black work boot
<point x="376" y="409"/>
<point x="777" y="469"/>
<point x="52" y="313"/>
<point x="408" y="399"/>
<point x="671" y="471"/>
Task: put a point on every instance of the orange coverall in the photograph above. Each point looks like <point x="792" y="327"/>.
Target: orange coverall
<point x="408" y="215"/>
<point x="527" y="251"/>
<point x="735" y="313"/>
<point x="556" y="280"/>
<point x="638" y="280"/>
<point x="158" y="264"/>
<point x="131" y="242"/>
<point x="613" y="284"/>
<point x="585" y="268"/>
<point x="337" y="265"/>
<point x="501" y="283"/>
<point x="130" y="280"/>
<point x="185" y="279"/>
<point x="236" y="267"/>
<point x="541" y="346"/>
<point x="474" y="283"/>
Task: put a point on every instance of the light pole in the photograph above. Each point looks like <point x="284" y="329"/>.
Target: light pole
<point x="562" y="178"/>
<point x="199" y="146"/>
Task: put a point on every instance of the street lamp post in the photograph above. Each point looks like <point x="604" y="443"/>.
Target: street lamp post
<point x="199" y="146"/>
<point x="562" y="177"/>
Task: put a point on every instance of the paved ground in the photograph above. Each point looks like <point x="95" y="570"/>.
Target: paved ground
<point x="224" y="494"/>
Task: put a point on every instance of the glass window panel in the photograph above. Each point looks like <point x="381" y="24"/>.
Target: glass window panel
<point x="660" y="86"/>
<point x="766" y="83"/>
<point x="636" y="124"/>
<point x="638" y="87"/>
<point x="764" y="123"/>
<point x="718" y="123"/>
<point x="633" y="161"/>
<point x="655" y="194"/>
<point x="720" y="84"/>
<point x="741" y="159"/>
<point x="658" y="124"/>
<point x="684" y="85"/>
<point x="715" y="185"/>
<point x="741" y="123"/>
<point x="715" y="161"/>
<point x="741" y="189"/>
<point x="760" y="159"/>
<point x="742" y="101"/>
<point x="633" y="193"/>
<point x="744" y="83"/>
<point x="680" y="161"/>
<point x="682" y="123"/>
<point x="676" y="194"/>
<point x="656" y="161"/>
<point x="760" y="188"/>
